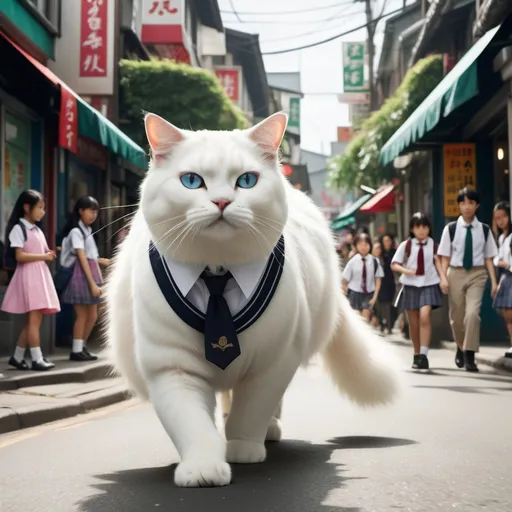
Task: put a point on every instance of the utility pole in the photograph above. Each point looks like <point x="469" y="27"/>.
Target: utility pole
<point x="370" y="28"/>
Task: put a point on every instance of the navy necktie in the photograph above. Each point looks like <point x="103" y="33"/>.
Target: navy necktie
<point x="221" y="345"/>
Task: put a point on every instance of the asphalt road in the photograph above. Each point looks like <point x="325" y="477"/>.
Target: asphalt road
<point x="445" y="446"/>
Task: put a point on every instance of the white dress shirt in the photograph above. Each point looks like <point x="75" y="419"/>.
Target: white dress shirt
<point x="497" y="258"/>
<point x="455" y="250"/>
<point x="75" y="240"/>
<point x="431" y="276"/>
<point x="16" y="238"/>
<point x="505" y="252"/>
<point x="237" y="293"/>
<point x="353" y="273"/>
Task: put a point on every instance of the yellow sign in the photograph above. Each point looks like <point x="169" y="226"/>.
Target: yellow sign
<point x="459" y="172"/>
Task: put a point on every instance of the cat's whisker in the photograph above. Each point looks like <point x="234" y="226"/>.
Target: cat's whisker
<point x="150" y="226"/>
<point x="264" y="224"/>
<point x="113" y="222"/>
<point x="183" y="236"/>
<point x="170" y="231"/>
<point x="257" y="216"/>
<point x="121" y="206"/>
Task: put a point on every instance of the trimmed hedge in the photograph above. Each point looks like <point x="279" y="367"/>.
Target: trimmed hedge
<point x="188" y="97"/>
<point x="359" y="164"/>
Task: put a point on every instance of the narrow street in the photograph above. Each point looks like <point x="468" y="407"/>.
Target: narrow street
<point x="444" y="446"/>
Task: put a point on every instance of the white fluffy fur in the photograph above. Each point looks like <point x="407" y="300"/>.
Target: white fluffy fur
<point x="163" y="359"/>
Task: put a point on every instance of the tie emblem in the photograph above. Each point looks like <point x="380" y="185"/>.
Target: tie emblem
<point x="222" y="344"/>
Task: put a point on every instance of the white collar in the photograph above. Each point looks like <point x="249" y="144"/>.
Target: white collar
<point x="461" y="222"/>
<point x="247" y="276"/>
<point x="28" y="224"/>
<point x="81" y="225"/>
<point x="425" y="242"/>
<point x="367" y="257"/>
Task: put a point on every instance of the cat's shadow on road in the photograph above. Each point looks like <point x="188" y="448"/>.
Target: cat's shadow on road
<point x="297" y="477"/>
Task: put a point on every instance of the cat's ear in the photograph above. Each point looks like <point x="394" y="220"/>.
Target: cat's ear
<point x="162" y="135"/>
<point x="269" y="133"/>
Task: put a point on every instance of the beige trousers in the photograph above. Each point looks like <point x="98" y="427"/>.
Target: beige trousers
<point x="466" y="288"/>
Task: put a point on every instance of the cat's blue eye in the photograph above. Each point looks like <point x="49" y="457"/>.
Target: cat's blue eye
<point x="247" y="180"/>
<point x="192" y="180"/>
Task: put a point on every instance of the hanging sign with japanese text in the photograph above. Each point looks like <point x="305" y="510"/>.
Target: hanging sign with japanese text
<point x="162" y="21"/>
<point x="231" y="81"/>
<point x="93" y="38"/>
<point x="68" y="121"/>
<point x="354" y="59"/>
<point x="459" y="172"/>
<point x="294" y="118"/>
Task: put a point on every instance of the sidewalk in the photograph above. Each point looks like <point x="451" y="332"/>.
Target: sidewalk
<point x="488" y="355"/>
<point x="28" y="399"/>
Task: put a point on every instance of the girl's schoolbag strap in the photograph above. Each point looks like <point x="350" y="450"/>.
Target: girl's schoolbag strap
<point x="375" y="265"/>
<point x="452" y="227"/>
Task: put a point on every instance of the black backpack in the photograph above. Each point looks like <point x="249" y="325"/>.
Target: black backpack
<point x="9" y="262"/>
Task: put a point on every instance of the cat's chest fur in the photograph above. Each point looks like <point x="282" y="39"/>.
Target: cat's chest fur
<point x="283" y="328"/>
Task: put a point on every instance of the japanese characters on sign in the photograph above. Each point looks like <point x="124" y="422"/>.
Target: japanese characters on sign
<point x="294" y="119"/>
<point x="230" y="79"/>
<point x="68" y="122"/>
<point x="354" y="79"/>
<point x="162" y="21"/>
<point x="93" y="38"/>
<point x="459" y="172"/>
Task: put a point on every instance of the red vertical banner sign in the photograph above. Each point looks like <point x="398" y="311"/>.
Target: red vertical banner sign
<point x="93" y="38"/>
<point x="68" y="122"/>
<point x="230" y="78"/>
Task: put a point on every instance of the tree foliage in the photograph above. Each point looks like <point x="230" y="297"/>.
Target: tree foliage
<point x="359" y="164"/>
<point x="188" y="97"/>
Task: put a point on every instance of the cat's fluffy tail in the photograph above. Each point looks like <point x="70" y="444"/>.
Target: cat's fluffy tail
<point x="362" y="364"/>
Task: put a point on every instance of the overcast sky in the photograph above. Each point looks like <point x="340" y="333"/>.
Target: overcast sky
<point x="320" y="66"/>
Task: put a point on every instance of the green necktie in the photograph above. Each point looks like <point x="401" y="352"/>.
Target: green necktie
<point x="468" y="249"/>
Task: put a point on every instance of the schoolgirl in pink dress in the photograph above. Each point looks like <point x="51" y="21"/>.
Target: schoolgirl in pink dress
<point x="31" y="290"/>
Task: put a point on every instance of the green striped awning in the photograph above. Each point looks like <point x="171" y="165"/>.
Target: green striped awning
<point x="458" y="87"/>
<point x="346" y="217"/>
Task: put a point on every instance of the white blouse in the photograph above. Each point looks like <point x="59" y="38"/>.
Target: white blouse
<point x="76" y="240"/>
<point x="353" y="273"/>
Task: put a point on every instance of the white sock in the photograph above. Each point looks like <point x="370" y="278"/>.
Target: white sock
<point x="36" y="354"/>
<point x="509" y="350"/>
<point x="78" y="345"/>
<point x="424" y="351"/>
<point x="19" y="354"/>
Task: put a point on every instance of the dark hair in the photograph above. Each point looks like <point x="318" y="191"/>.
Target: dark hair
<point x="505" y="206"/>
<point x="362" y="237"/>
<point x="30" y="197"/>
<point x="84" y="203"/>
<point x="419" y="219"/>
<point x="381" y="240"/>
<point x="468" y="193"/>
<point x="363" y="230"/>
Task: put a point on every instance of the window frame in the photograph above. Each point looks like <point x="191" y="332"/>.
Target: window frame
<point x="53" y="26"/>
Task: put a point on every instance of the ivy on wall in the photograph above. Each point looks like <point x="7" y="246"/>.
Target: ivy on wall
<point x="188" y="97"/>
<point x="359" y="164"/>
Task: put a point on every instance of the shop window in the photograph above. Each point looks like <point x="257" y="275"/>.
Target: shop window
<point x="47" y="11"/>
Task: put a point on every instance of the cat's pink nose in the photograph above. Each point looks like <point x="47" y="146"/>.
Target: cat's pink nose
<point x="221" y="203"/>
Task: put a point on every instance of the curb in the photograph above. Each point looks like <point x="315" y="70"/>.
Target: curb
<point x="97" y="371"/>
<point x="35" y="415"/>
<point x="502" y="363"/>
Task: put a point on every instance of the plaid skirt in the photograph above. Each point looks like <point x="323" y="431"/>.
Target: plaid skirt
<point x="413" y="298"/>
<point x="503" y="299"/>
<point x="358" y="300"/>
<point x="78" y="291"/>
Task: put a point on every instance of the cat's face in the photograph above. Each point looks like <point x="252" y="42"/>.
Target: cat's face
<point x="215" y="197"/>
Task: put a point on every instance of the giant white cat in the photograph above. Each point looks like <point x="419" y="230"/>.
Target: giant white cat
<point x="218" y="199"/>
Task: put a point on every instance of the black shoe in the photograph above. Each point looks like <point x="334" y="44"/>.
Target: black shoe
<point x="79" y="357"/>
<point x="43" y="366"/>
<point x="508" y="355"/>
<point x="423" y="362"/>
<point x="469" y="359"/>
<point x="416" y="362"/>
<point x="459" y="358"/>
<point x="90" y="356"/>
<point x="19" y="365"/>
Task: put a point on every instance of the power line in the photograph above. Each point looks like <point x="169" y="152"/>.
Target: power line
<point x="293" y="22"/>
<point x="298" y="11"/>
<point x="328" y="40"/>
<point x="232" y="3"/>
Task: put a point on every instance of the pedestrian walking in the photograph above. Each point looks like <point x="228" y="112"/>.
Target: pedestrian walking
<point x="422" y="274"/>
<point x="388" y="289"/>
<point x="362" y="277"/>
<point x="31" y="290"/>
<point x="79" y="278"/>
<point x="468" y="253"/>
<point x="503" y="264"/>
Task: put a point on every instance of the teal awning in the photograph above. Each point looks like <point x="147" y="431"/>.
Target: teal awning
<point x="93" y="125"/>
<point x="346" y="217"/>
<point x="458" y="86"/>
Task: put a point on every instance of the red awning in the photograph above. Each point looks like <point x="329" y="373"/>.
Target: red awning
<point x="382" y="202"/>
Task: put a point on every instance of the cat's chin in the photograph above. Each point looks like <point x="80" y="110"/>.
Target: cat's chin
<point x="221" y="228"/>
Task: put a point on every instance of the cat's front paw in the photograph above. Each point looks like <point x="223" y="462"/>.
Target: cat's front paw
<point x="274" y="432"/>
<point x="245" y="452"/>
<point x="202" y="473"/>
